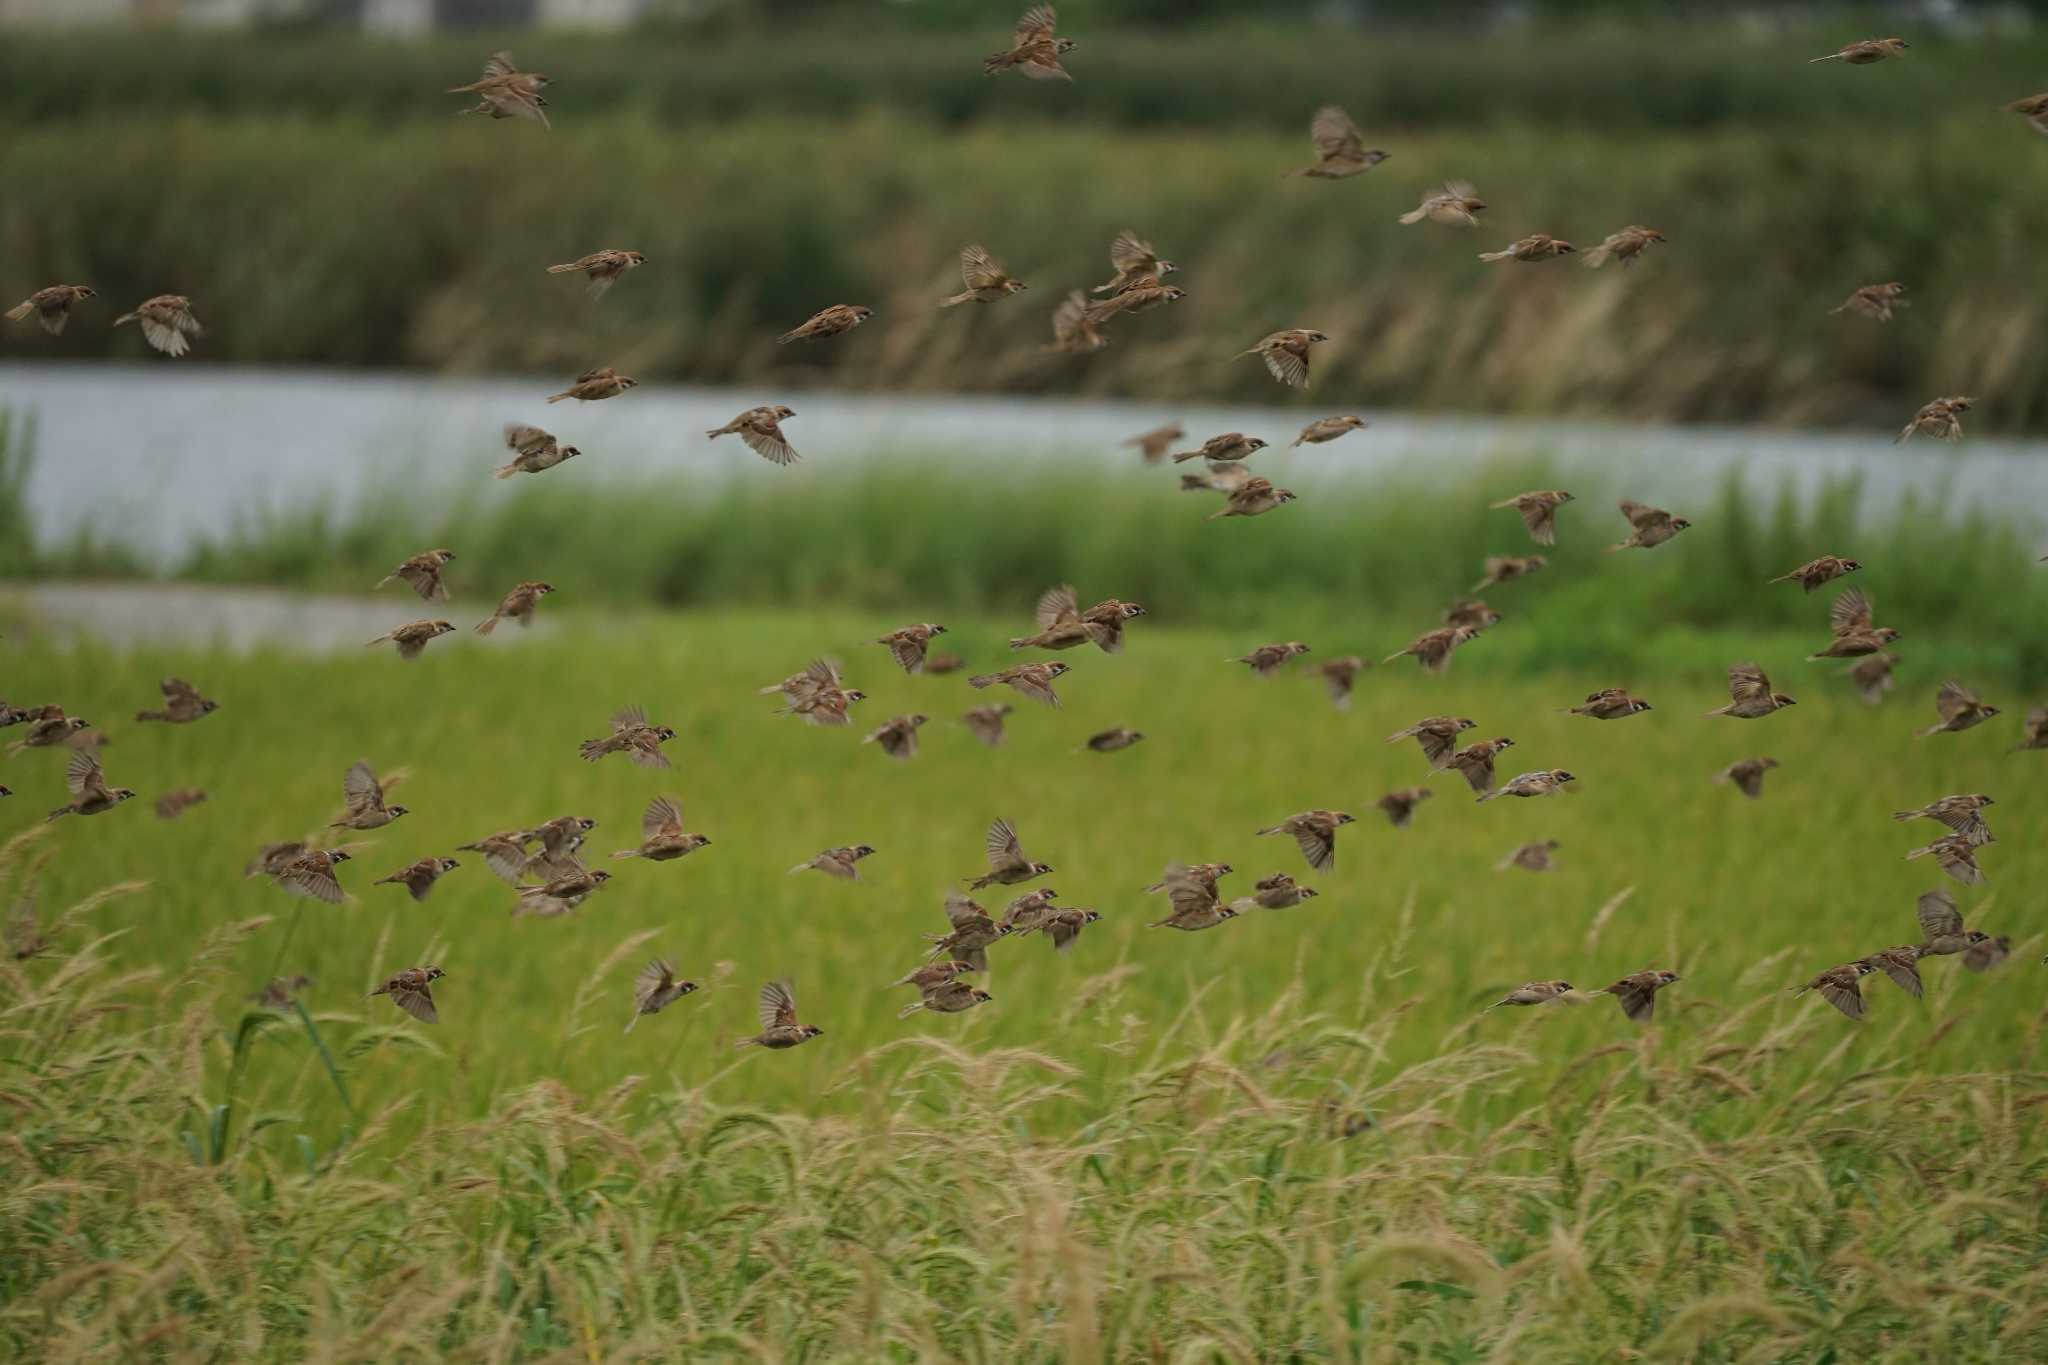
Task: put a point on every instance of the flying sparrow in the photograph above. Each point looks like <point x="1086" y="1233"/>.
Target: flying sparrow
<point x="1254" y="497"/>
<point x="1624" y="246"/>
<point x="632" y="736"/>
<point x="1438" y="736"/>
<point x="1874" y="301"/>
<point x="1208" y="874"/>
<point x="1326" y="429"/>
<point x="516" y="605"/>
<point x="837" y="862"/>
<point x="827" y="322"/>
<point x="1610" y="703"/>
<point x="1539" y="511"/>
<point x="986" y="722"/>
<point x="655" y="989"/>
<point x="562" y="893"/>
<point x="1453" y="205"/>
<point x="1546" y="783"/>
<point x="1475" y="762"/>
<point x="1873" y="676"/>
<point x="1841" y="986"/>
<point x="1507" y="568"/>
<point x="1531" y="857"/>
<point x="1537" y="246"/>
<point x="1109" y="741"/>
<point x="1535" y="993"/>
<point x="1959" y="709"/>
<point x="1653" y="526"/>
<point x="1286" y="354"/>
<point x="661" y="833"/>
<point x="1033" y="680"/>
<point x="603" y="268"/>
<point x="1815" y="572"/>
<point x="1154" y="444"/>
<point x="1134" y="259"/>
<point x="1400" y="805"/>
<point x="537" y="451"/>
<point x="1007" y="863"/>
<point x="1941" y="926"/>
<point x="1942" y="419"/>
<point x="761" y="429"/>
<point x="411" y="990"/>
<point x="1028" y="911"/>
<point x="2035" y="733"/>
<point x="1277" y="892"/>
<point x="971" y="932"/>
<point x="1963" y="814"/>
<point x="898" y="738"/>
<point x="1340" y="148"/>
<point x="1432" y="649"/>
<point x="412" y="637"/>
<point x="779" y="1026"/>
<point x="1750" y="694"/>
<point x="422" y="573"/>
<point x="1073" y="329"/>
<point x="595" y="385"/>
<point x="182" y="703"/>
<point x="90" y="794"/>
<point x="504" y="91"/>
<point x="1266" y="660"/>
<point x="1955" y="854"/>
<point x="310" y="874"/>
<point x="948" y="997"/>
<point x="818" y="694"/>
<point x="1339" y="675"/>
<point x="52" y="306"/>
<point x="1856" y="634"/>
<point x="1899" y="963"/>
<point x="1230" y="446"/>
<point x="48" y="726"/>
<point x="1638" y="993"/>
<point x="1064" y="926"/>
<point x="166" y="322"/>
<point x="1316" y="832"/>
<point x="363" y="800"/>
<point x="1033" y="50"/>
<point x="1864" y="52"/>
<point x="419" y="877"/>
<point x="175" y="803"/>
<point x="985" y="278"/>
<point x="910" y="643"/>
<point x="1748" y="774"/>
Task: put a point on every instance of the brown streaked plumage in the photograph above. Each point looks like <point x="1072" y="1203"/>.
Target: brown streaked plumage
<point x="1749" y="690"/>
<point x="1438" y="736"/>
<point x="1326" y="429"/>
<point x="538" y="450"/>
<point x="1501" y="569"/>
<point x="602" y="268"/>
<point x="1007" y="863"/>
<point x="1028" y="911"/>
<point x="1942" y="419"/>
<point x="1852" y="619"/>
<point x="1959" y="709"/>
<point x="1815" y="572"/>
<point x="1073" y="328"/>
<point x="419" y="877"/>
<point x="1747" y="774"/>
<point x="1399" y="806"/>
<point x="570" y="885"/>
<point x="182" y="704"/>
<point x="48" y="727"/>
<point x="838" y="862"/>
<point x="1530" y="857"/>
<point x="1841" y="986"/>
<point x="1339" y="676"/>
<point x="1432" y="649"/>
<point x="632" y="736"/>
<point x="1208" y="874"/>
<point x="1637" y="993"/>
<point x="818" y="694"/>
<point x="1140" y="296"/>
<point x="1316" y="832"/>
<point x="1864" y="51"/>
<point x="1063" y="625"/>
<point x="1538" y="509"/>
<point x="1874" y="301"/>
<point x="559" y="840"/>
<point x="363" y="803"/>
<point x="1610" y="703"/>
<point x="909" y="643"/>
<point x="1254" y="497"/>
<point x="662" y="838"/>
<point x="898" y="737"/>
<point x="837" y="320"/>
<point x="985" y="723"/>
<point x="504" y="91"/>
<point x="516" y="605"/>
<point x="273" y="858"/>
<point x="1537" y="246"/>
<point x="2034" y="734"/>
<point x="1033" y="680"/>
<point x="1194" y="900"/>
<point x="947" y="997"/>
<point x="1267" y="660"/>
<point x="779" y="1026"/>
<point x="1900" y="964"/>
<point x="761" y="429"/>
<point x="1653" y="526"/>
<point x="970" y="932"/>
<point x="412" y="637"/>
<point x="1941" y="926"/>
<point x="1230" y="446"/>
<point x="310" y="874"/>
<point x="1624" y="246"/>
<point x="176" y="802"/>
<point x="504" y="853"/>
<point x="1033" y="49"/>
<point x="1155" y="444"/>
<point x="1277" y="892"/>
<point x="1873" y="676"/>
<point x="1135" y="261"/>
<point x="1544" y="782"/>
<point x="655" y="989"/>
<point x="1111" y="740"/>
<point x="593" y="386"/>
<point x="1475" y="761"/>
<point x="1962" y="813"/>
<point x="1536" y="993"/>
<point x="1286" y="353"/>
<point x="167" y="323"/>
<point x="90" y="794"/>
<point x="932" y="974"/>
<point x="1454" y="205"/>
<point x="1982" y="956"/>
<point x="985" y="278"/>
<point x="1064" y="926"/>
<point x="1340" y="148"/>
<point x="422" y="573"/>
<point x="412" y="991"/>
<point x="51" y="306"/>
<point x="1954" y="854"/>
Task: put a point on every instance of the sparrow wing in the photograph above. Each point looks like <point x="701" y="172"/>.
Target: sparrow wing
<point x="359" y="789"/>
<point x="662" y="816"/>
<point x="654" y="981"/>
<point x="1036" y="26"/>
<point x="418" y="1002"/>
<point x="1005" y="854"/>
<point x="1851" y="613"/>
<point x="1318" y="844"/>
<point x="1747" y="682"/>
<point x="1335" y="136"/>
<point x="1955" y="700"/>
<point x="1938" y="914"/>
<point x="1287" y="366"/>
<point x="83" y="776"/>
<point x="1641" y="515"/>
<point x="1132" y="254"/>
<point x="1845" y="996"/>
<point x="979" y="270"/>
<point x="1057" y="605"/>
<point x="778" y="1006"/>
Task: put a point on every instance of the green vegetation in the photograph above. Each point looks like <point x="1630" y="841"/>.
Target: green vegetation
<point x="1295" y="1137"/>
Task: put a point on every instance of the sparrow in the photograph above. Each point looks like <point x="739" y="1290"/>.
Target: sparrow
<point x="363" y="800"/>
<point x="1507" y="568"/>
<point x="1748" y="775"/>
<point x="1316" y="832"/>
<point x="818" y="694"/>
<point x="2035" y="734"/>
<point x="1475" y="762"/>
<point x="1231" y="445"/>
<point x="1865" y="52"/>
<point x="1254" y="497"/>
<point x="761" y="429"/>
<point x="985" y="278"/>
<point x="1028" y="911"/>
<point x="1453" y="205"/>
<point x="1537" y="246"/>
<point x="279" y="992"/>
<point x="1546" y="783"/>
<point x="595" y="385"/>
<point x="1535" y="993"/>
<point x="48" y="726"/>
<point x="827" y="322"/>
<point x="1959" y="710"/>
<point x="1856" y="633"/>
<point x="1438" y="736"/>
<point x="1963" y="814"/>
<point x="1208" y="874"/>
<point x="1339" y="675"/>
<point x="1955" y="854"/>
<point x="1873" y="676"/>
<point x="1898" y="963"/>
<point x="1539" y="511"/>
<point x="932" y="974"/>
<point x="1063" y="927"/>
<point x="1109" y="741"/>
<point x="516" y="605"/>
<point x="2034" y="108"/>
<point x="947" y="997"/>
<point x="411" y="990"/>
<point x="632" y="736"/>
<point x="1750" y="694"/>
<point x="943" y="663"/>
<point x="1941" y="926"/>
<point x="1327" y="429"/>
<point x="561" y="894"/>
<point x="1815" y="572"/>
<point x="1073" y="329"/>
<point x="779" y="1027"/>
<point x="1033" y="680"/>
<point x="971" y="932"/>
<point x="909" y="644"/>
<point x="1624" y="246"/>
<point x="1874" y="301"/>
<point x="1982" y="957"/>
<point x="1062" y="624"/>
<point x="1400" y="805"/>
<point x="90" y="794"/>
<point x="310" y="874"/>
<point x="1286" y="354"/>
<point x="1531" y="857"/>
<point x="504" y="853"/>
<point x="1277" y="892"/>
<point x="1140" y="296"/>
<point x="537" y="451"/>
<point x="985" y="723"/>
<point x="655" y="989"/>
<point x="1340" y="148"/>
<point x="422" y="573"/>
<point x="52" y="306"/>
<point x="166" y="322"/>
<point x="1653" y="526"/>
<point x="1034" y="50"/>
<point x="175" y="803"/>
<point x="1154" y="444"/>
<point x="661" y="833"/>
<point x="1195" y="905"/>
<point x="1432" y="649"/>
<point x="412" y="637"/>
<point x="1007" y="864"/>
<point x="837" y="862"/>
<point x="1609" y="703"/>
<point x="1841" y="986"/>
<point x="500" y="70"/>
<point x="182" y="703"/>
<point x="504" y="91"/>
<point x="1267" y="659"/>
<point x="559" y="840"/>
<point x="603" y="268"/>
<point x="1941" y="419"/>
<point x="272" y="859"/>
<point x="1638" y="993"/>
<point x="898" y="738"/>
<point x="1134" y="260"/>
<point x="419" y="878"/>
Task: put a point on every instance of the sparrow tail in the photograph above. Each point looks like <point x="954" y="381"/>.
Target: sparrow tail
<point x="506" y="471"/>
<point x="1389" y="659"/>
<point x="487" y="625"/>
<point x="19" y="311"/>
<point x="125" y="317"/>
<point x="1831" y="57"/>
<point x="1614" y="548"/>
<point x="983" y="680"/>
<point x="558" y="397"/>
<point x="1495" y="255"/>
<point x="563" y="270"/>
<point x="1598" y="255"/>
<point x="912" y="1008"/>
<point x="1414" y="216"/>
<point x="785" y="338"/>
<point x="60" y="811"/>
<point x="958" y="299"/>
